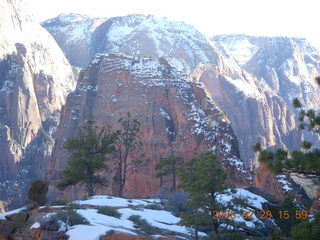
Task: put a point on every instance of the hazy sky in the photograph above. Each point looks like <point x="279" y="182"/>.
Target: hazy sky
<point x="299" y="18"/>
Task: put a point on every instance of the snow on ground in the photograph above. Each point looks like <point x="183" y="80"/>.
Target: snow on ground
<point x="100" y="224"/>
<point x="251" y="198"/>
<point x="115" y="201"/>
<point x="285" y="184"/>
<point x="3" y="215"/>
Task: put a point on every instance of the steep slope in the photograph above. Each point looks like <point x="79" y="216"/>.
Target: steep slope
<point x="288" y="66"/>
<point x="176" y="117"/>
<point x="73" y="33"/>
<point x="256" y="113"/>
<point x="35" y="79"/>
<point x="257" y="109"/>
<point x="138" y="35"/>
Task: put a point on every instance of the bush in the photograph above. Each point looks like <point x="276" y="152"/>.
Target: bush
<point x="176" y="202"/>
<point x="109" y="212"/>
<point x="37" y="192"/>
<point x="50" y="223"/>
<point x="19" y="221"/>
<point x="154" y="206"/>
<point x="59" y="203"/>
<point x="71" y="218"/>
<point x="143" y="224"/>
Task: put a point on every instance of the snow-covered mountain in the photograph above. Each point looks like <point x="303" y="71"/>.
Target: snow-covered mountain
<point x="74" y="35"/>
<point x="285" y="65"/>
<point x="35" y="79"/>
<point x="138" y="35"/>
<point x="253" y="79"/>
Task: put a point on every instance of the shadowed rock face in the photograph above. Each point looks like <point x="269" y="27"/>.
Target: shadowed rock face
<point x="176" y="117"/>
<point x="35" y="78"/>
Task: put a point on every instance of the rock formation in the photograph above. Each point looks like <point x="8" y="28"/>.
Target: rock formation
<point x="176" y="117"/>
<point x="35" y="79"/>
<point x="246" y="76"/>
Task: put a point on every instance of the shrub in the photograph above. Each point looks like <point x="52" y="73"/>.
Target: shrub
<point x="143" y="224"/>
<point x="59" y="203"/>
<point x="154" y="206"/>
<point x="37" y="192"/>
<point x="50" y="223"/>
<point x="71" y="218"/>
<point x="109" y="212"/>
<point x="176" y="202"/>
<point x="19" y="220"/>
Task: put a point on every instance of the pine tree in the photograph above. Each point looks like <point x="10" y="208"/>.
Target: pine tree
<point x="37" y="192"/>
<point x="308" y="230"/>
<point x="203" y="179"/>
<point x="128" y="147"/>
<point x="89" y="150"/>
<point x="304" y="161"/>
<point x="168" y="167"/>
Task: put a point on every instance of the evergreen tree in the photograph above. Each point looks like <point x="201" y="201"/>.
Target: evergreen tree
<point x="304" y="161"/>
<point x="128" y="147"/>
<point x="203" y="179"/>
<point x="307" y="230"/>
<point x="89" y="150"/>
<point x="287" y="219"/>
<point x="37" y="192"/>
<point x="168" y="167"/>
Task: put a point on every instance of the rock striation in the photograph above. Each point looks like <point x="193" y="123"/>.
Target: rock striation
<point x="176" y="117"/>
<point x="35" y="79"/>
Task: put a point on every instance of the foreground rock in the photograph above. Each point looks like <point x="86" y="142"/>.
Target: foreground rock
<point x="113" y="218"/>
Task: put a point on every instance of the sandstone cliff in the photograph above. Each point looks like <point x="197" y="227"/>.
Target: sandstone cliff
<point x="35" y="79"/>
<point x="252" y="79"/>
<point x="176" y="117"/>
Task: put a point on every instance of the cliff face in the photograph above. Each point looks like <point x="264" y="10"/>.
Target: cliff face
<point x="252" y="79"/>
<point x="256" y="113"/>
<point x="35" y="78"/>
<point x="176" y="117"/>
<point x="73" y="33"/>
<point x="137" y="35"/>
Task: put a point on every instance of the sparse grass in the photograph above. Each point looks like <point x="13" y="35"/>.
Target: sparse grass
<point x="71" y="218"/>
<point x="154" y="206"/>
<point x="59" y="203"/>
<point x="109" y="212"/>
<point x="143" y="224"/>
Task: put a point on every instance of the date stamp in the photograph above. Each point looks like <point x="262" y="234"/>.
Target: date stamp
<point x="248" y="214"/>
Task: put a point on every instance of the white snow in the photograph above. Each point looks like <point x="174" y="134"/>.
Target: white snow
<point x="240" y="47"/>
<point x="285" y="184"/>
<point x="35" y="225"/>
<point x="115" y="201"/>
<point x="164" y="114"/>
<point x="252" y="199"/>
<point x="3" y="215"/>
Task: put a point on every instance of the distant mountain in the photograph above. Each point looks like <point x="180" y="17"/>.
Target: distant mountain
<point x="35" y="79"/>
<point x="253" y="79"/>
<point x="138" y="35"/>
<point x="286" y="65"/>
<point x="73" y="33"/>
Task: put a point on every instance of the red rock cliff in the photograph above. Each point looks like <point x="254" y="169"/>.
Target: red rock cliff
<point x="175" y="115"/>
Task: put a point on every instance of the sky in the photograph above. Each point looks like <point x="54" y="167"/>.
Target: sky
<point x="295" y="18"/>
